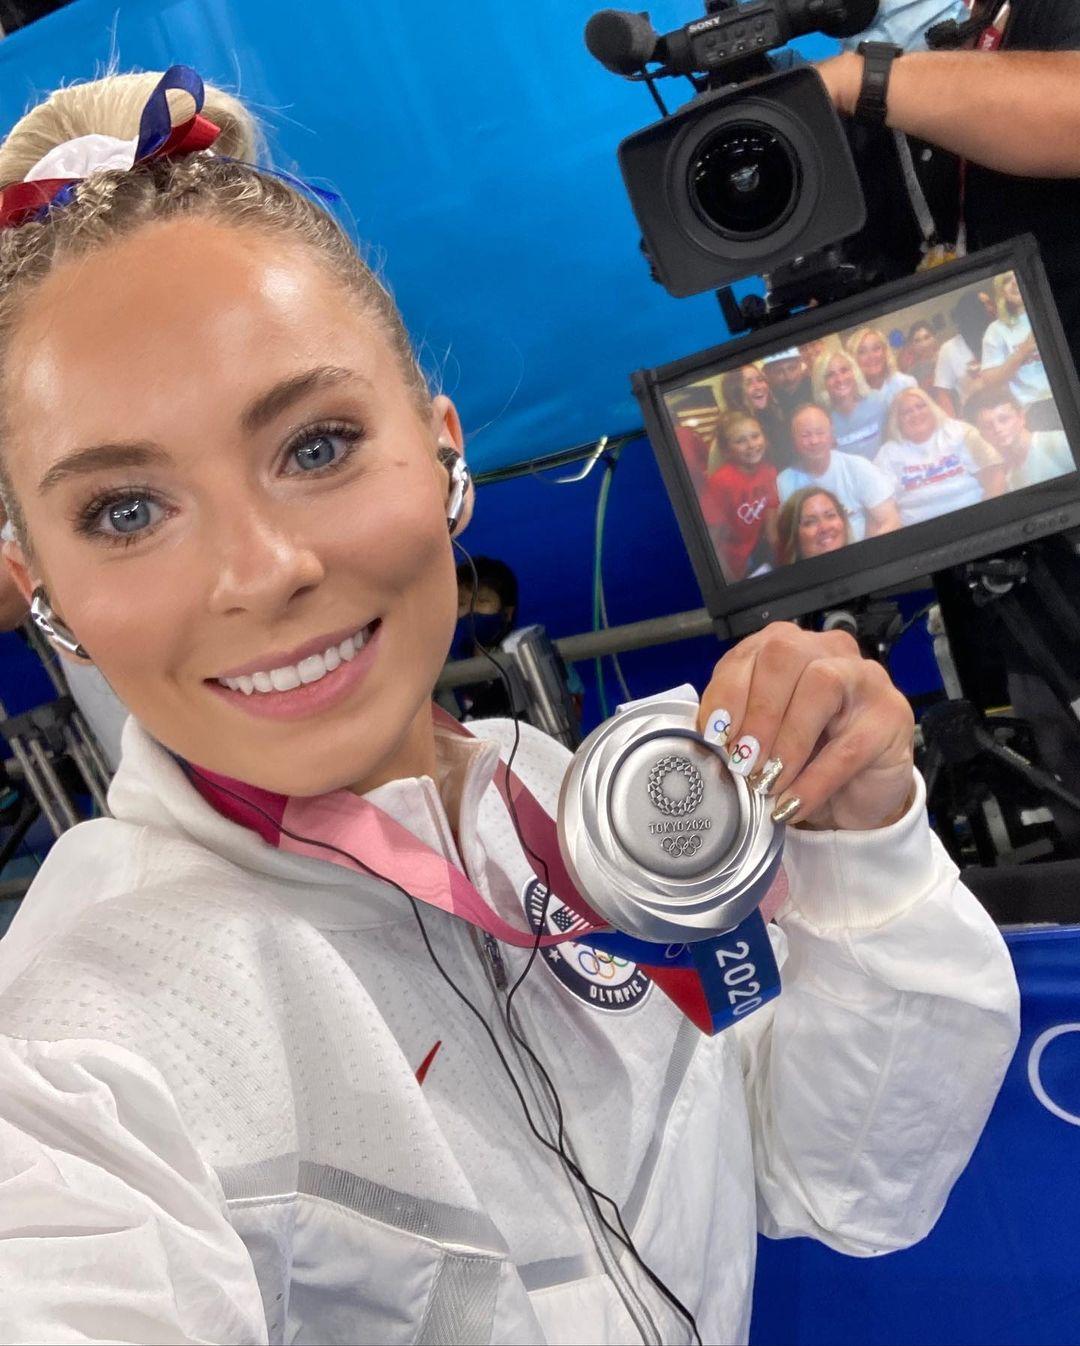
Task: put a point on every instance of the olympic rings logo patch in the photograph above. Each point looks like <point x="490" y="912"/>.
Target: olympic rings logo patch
<point x="599" y="963"/>
<point x="595" y="976"/>
<point x="671" y="805"/>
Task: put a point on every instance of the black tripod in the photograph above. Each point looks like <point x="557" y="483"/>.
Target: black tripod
<point x="1006" y="790"/>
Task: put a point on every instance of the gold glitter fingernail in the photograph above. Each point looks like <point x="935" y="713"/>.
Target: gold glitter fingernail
<point x="763" y="780"/>
<point x="787" y="809"/>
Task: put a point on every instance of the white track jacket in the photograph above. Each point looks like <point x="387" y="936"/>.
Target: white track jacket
<point x="211" y="1126"/>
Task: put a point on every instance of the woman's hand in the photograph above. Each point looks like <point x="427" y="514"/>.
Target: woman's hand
<point x="834" y="720"/>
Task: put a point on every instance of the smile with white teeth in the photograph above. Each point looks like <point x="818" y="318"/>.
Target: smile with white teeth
<point x="311" y="669"/>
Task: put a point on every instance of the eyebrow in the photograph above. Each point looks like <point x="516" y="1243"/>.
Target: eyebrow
<point x="256" y="415"/>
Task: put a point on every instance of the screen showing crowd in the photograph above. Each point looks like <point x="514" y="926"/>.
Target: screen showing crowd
<point x="931" y="409"/>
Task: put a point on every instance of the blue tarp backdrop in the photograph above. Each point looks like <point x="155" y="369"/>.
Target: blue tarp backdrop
<point x="1000" y="1268"/>
<point x="474" y="145"/>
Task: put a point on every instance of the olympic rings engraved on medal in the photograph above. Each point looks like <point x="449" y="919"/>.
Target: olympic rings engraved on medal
<point x="675" y="808"/>
<point x="682" y="845"/>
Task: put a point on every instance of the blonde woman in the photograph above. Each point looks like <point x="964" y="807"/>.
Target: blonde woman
<point x="877" y="363"/>
<point x="256" y="1082"/>
<point x="857" y="413"/>
<point x="1009" y="353"/>
<point x="936" y="464"/>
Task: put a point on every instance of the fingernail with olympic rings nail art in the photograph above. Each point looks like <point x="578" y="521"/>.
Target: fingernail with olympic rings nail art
<point x="744" y="755"/>
<point x="717" y="727"/>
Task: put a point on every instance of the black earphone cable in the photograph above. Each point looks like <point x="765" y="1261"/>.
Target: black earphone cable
<point x="621" y="1233"/>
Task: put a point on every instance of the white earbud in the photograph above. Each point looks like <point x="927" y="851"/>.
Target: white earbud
<point x="460" y="478"/>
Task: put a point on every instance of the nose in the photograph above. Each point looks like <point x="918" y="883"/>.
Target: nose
<point x="259" y="563"/>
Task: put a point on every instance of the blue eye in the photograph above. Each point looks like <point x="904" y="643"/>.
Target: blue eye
<point x="130" y="515"/>
<point x="120" y="518"/>
<point x="323" y="448"/>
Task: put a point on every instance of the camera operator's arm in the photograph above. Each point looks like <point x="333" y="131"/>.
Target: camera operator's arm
<point x="1013" y="111"/>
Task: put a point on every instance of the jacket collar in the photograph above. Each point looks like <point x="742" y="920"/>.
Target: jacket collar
<point x="153" y="789"/>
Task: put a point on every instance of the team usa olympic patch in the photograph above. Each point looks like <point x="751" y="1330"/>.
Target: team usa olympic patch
<point x="597" y="977"/>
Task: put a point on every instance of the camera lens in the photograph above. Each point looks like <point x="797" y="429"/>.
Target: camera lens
<point x="744" y="179"/>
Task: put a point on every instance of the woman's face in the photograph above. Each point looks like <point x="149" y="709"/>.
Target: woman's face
<point x="755" y="387"/>
<point x="923" y="345"/>
<point x="224" y="473"/>
<point x="821" y="526"/>
<point x="840" y="380"/>
<point x="915" y="418"/>
<point x="746" y="443"/>
<point x="873" y="357"/>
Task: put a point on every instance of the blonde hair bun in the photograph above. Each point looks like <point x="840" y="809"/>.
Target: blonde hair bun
<point x="112" y="106"/>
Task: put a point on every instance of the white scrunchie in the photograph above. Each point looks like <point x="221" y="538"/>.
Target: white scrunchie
<point x="85" y="155"/>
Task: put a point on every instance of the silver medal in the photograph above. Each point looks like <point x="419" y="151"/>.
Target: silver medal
<point x="662" y="839"/>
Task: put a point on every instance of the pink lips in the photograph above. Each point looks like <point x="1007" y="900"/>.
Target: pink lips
<point x="309" y="698"/>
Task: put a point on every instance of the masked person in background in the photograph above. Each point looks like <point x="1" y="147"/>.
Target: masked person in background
<point x="256" y="1082"/>
<point x="484" y="622"/>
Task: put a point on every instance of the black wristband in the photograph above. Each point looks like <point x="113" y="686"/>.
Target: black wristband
<point x="877" y="62"/>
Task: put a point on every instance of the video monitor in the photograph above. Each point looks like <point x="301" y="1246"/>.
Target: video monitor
<point x="856" y="447"/>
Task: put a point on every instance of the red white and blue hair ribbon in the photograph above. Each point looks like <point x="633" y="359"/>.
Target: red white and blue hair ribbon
<point x="52" y="180"/>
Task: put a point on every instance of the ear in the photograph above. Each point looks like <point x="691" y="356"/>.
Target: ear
<point x="446" y="427"/>
<point x="446" y="423"/>
<point x="18" y="570"/>
<point x="16" y="587"/>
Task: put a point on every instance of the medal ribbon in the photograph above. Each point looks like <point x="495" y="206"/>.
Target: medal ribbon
<point x="714" y="981"/>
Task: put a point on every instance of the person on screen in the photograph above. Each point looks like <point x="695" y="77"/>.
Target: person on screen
<point x="877" y="363"/>
<point x="813" y="350"/>
<point x="1029" y="455"/>
<point x="748" y="391"/>
<point x="858" y="415"/>
<point x="694" y="413"/>
<point x="789" y="378"/>
<point x="740" y="503"/>
<point x="936" y="464"/>
<point x="865" y="493"/>
<point x="1011" y="357"/>
<point x="921" y="351"/>
<point x="958" y="372"/>
<point x="812" y="522"/>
